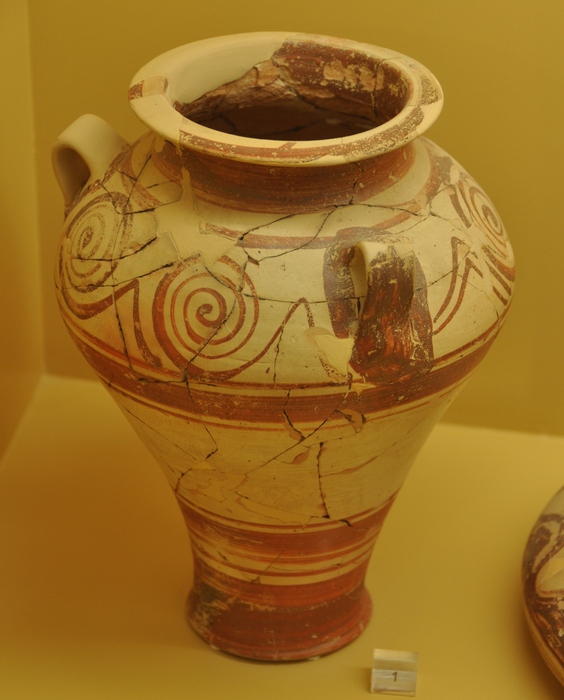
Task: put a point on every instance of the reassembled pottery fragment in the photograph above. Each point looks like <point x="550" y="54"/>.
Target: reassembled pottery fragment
<point x="283" y="285"/>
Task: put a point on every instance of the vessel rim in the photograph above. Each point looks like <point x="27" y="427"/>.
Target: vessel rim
<point x="158" y="86"/>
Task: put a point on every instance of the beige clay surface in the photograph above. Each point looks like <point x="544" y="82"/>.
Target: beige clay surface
<point x="94" y="572"/>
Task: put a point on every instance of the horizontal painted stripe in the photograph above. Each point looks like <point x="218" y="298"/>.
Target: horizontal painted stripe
<point x="250" y="405"/>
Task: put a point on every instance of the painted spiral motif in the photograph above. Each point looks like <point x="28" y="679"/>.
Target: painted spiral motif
<point x="483" y="211"/>
<point x="89" y="245"/>
<point x="203" y="315"/>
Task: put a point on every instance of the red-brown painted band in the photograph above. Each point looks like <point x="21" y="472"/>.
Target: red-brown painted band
<point x="277" y="633"/>
<point x="287" y="190"/>
<point x="260" y="407"/>
<point x="289" y="620"/>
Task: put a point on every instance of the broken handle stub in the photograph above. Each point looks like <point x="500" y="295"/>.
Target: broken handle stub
<point x="83" y="153"/>
<point x="394" y="337"/>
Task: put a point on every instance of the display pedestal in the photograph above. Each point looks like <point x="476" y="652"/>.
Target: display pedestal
<point x="96" y="566"/>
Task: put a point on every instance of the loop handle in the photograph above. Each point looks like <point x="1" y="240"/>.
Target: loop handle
<point x="83" y="153"/>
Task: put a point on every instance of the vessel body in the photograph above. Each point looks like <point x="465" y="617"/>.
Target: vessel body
<point x="281" y="318"/>
<point x="543" y="584"/>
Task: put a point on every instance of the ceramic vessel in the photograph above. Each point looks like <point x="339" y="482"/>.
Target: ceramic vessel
<point x="543" y="584"/>
<point x="283" y="286"/>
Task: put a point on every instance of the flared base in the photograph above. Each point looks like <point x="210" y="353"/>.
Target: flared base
<point x="280" y="592"/>
<point x="277" y="628"/>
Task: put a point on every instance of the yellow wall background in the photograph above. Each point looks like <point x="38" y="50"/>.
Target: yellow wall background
<point x="20" y="307"/>
<point x="501" y="66"/>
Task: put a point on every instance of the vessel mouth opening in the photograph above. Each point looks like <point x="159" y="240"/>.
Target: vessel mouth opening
<point x="306" y="91"/>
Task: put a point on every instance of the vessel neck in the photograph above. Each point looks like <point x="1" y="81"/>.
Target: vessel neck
<point x="253" y="187"/>
<point x="286" y="118"/>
